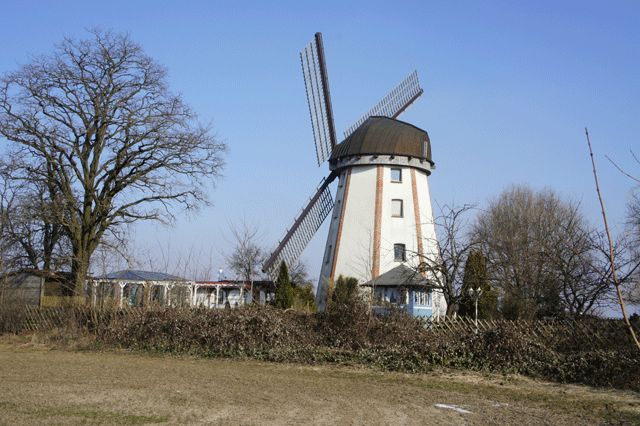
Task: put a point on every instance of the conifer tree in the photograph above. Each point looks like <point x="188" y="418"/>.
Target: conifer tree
<point x="346" y="289"/>
<point x="475" y="276"/>
<point x="284" y="291"/>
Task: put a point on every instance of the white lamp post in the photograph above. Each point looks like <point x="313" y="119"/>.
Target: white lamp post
<point x="476" y="293"/>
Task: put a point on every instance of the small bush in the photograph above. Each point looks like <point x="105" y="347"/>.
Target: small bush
<point x="12" y="316"/>
<point x="303" y="298"/>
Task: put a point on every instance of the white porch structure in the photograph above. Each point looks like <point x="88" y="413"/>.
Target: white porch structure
<point x="231" y="294"/>
<point x="140" y="288"/>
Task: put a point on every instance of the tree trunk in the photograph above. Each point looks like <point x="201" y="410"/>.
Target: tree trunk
<point x="79" y="269"/>
<point x="451" y="309"/>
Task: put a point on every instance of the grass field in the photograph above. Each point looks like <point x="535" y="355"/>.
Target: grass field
<point x="41" y="385"/>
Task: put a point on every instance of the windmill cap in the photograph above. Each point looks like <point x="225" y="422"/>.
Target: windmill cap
<point x="385" y="136"/>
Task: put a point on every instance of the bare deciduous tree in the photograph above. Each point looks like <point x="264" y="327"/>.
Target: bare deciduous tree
<point x="299" y="274"/>
<point x="632" y="293"/>
<point x="633" y="215"/>
<point x="6" y="203"/>
<point x="544" y="256"/>
<point x="31" y="236"/>
<point x="633" y="212"/>
<point x="97" y="124"/>
<point x="246" y="257"/>
<point x="584" y="275"/>
<point x="445" y="269"/>
<point x="517" y="233"/>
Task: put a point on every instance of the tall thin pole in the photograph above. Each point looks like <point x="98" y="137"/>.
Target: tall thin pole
<point x="614" y="274"/>
<point x="476" y="313"/>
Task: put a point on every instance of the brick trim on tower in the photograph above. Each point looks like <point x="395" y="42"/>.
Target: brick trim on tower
<point x="342" y="210"/>
<point x="377" y="223"/>
<point x="416" y="212"/>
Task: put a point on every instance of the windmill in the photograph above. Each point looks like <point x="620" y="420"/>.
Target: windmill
<point x="376" y="148"/>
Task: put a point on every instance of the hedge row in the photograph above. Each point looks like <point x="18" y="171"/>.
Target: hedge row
<point x="347" y="334"/>
<point x="395" y="342"/>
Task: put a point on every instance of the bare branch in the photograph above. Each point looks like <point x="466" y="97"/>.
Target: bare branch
<point x="621" y="170"/>
<point x="612" y="259"/>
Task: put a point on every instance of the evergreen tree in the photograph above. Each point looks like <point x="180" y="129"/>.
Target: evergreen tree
<point x="284" y="291"/>
<point x="475" y="276"/>
<point x="303" y="298"/>
<point x="346" y="289"/>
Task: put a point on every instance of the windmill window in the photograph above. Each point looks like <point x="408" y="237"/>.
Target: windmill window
<point x="396" y="208"/>
<point x="399" y="253"/>
<point x="396" y="175"/>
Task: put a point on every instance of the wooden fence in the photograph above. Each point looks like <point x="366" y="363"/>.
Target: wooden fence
<point x="598" y="333"/>
<point x="48" y="318"/>
<point x="51" y="301"/>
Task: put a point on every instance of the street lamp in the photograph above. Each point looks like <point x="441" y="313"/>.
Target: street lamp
<point x="476" y="293"/>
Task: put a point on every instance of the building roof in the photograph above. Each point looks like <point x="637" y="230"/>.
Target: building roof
<point x="385" y="136"/>
<point x="46" y="274"/>
<point x="401" y="275"/>
<point x="261" y="283"/>
<point x="133" y="275"/>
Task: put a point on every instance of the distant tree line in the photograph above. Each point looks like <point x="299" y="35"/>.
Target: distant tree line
<point x="532" y="254"/>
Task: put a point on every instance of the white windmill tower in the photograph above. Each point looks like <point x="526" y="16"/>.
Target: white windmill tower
<point x="382" y="209"/>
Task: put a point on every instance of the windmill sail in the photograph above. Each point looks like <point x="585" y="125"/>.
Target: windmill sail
<point x="303" y="229"/>
<point x="392" y="105"/>
<point x="316" y="84"/>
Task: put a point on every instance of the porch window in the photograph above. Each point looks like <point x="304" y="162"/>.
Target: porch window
<point x="157" y="294"/>
<point x="422" y="297"/>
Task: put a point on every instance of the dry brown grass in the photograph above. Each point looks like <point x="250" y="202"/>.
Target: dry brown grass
<point x="39" y="384"/>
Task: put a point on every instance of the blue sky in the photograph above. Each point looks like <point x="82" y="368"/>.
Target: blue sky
<point x="509" y="87"/>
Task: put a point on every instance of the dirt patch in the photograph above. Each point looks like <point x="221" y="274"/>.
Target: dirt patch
<point x="39" y="385"/>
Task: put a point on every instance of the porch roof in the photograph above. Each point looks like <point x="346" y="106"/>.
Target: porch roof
<point x="134" y="275"/>
<point x="400" y="276"/>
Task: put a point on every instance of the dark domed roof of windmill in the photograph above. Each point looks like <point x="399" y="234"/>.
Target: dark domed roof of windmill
<point x="385" y="136"/>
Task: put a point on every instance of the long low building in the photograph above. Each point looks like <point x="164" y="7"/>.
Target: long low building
<point x="147" y="288"/>
<point x="139" y="288"/>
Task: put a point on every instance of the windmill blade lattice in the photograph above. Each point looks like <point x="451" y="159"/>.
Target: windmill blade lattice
<point x="316" y="84"/>
<point x="392" y="105"/>
<point x="304" y="227"/>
